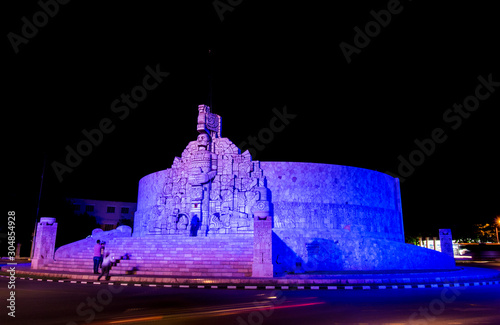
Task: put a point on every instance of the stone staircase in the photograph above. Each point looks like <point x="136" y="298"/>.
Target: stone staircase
<point x="169" y="256"/>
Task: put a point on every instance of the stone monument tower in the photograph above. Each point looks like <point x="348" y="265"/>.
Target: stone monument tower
<point x="212" y="184"/>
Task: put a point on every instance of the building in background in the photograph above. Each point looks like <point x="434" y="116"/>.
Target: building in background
<point x="107" y="213"/>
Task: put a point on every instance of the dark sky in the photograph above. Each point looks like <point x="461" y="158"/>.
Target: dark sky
<point x="399" y="86"/>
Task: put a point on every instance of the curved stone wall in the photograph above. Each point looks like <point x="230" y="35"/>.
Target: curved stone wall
<point x="312" y="197"/>
<point x="340" y="218"/>
<point x="325" y="218"/>
<point x="295" y="254"/>
<point x="149" y="187"/>
<point x="309" y="198"/>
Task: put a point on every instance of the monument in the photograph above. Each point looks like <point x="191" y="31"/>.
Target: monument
<point x="217" y="206"/>
<point x="211" y="182"/>
<point x="446" y="241"/>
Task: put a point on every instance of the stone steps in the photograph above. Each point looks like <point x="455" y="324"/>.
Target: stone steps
<point x="163" y="250"/>
<point x="180" y="256"/>
<point x="154" y="252"/>
<point x="174" y="246"/>
<point x="152" y="264"/>
<point x="181" y="268"/>
<point x="172" y="256"/>
<point x="188" y="272"/>
<point x="233" y="260"/>
<point x="173" y="269"/>
<point x="176" y="272"/>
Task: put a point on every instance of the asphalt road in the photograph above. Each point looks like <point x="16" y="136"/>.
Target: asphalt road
<point x="67" y="303"/>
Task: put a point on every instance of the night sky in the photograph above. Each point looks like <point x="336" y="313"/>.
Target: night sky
<point x="399" y="88"/>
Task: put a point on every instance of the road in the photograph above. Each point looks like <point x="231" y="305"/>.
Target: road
<point x="66" y="303"/>
<point x="42" y="302"/>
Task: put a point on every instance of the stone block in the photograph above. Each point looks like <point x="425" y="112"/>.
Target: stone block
<point x="45" y="240"/>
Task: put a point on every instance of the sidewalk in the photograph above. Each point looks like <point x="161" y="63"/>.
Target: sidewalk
<point x="396" y="279"/>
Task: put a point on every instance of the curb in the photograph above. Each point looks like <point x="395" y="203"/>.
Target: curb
<point x="271" y="287"/>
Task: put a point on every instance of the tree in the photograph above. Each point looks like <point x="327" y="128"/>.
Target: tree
<point x="485" y="232"/>
<point x="409" y="239"/>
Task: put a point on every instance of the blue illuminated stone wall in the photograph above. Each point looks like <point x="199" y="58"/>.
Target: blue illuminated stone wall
<point x="340" y="218"/>
<point x="319" y="197"/>
<point x="150" y="186"/>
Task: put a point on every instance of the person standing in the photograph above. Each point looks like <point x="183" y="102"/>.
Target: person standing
<point x="102" y="254"/>
<point x="97" y="256"/>
<point x="195" y="222"/>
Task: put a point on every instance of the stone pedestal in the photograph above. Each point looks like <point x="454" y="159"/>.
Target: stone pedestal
<point x="18" y="250"/>
<point x="262" y="265"/>
<point x="446" y="241"/>
<point x="45" y="242"/>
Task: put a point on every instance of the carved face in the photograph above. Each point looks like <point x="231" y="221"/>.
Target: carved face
<point x="203" y="109"/>
<point x="203" y="139"/>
